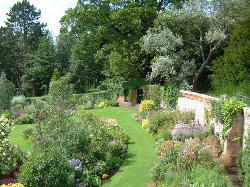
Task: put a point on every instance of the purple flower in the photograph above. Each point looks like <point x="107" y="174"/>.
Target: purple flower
<point x="75" y="163"/>
<point x="182" y="130"/>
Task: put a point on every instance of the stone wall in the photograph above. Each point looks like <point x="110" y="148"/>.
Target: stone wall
<point x="195" y="102"/>
<point x="246" y="124"/>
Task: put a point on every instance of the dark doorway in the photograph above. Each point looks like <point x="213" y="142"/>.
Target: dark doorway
<point x="126" y="99"/>
<point x="139" y="95"/>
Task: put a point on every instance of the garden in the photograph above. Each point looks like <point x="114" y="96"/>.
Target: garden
<point x="130" y="93"/>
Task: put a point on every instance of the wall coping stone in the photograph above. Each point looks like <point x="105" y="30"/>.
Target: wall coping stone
<point x="197" y="96"/>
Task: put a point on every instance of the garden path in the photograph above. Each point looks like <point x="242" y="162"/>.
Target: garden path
<point x="135" y="171"/>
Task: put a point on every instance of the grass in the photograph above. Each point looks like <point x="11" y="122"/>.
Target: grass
<point x="16" y="137"/>
<point x="135" y="171"/>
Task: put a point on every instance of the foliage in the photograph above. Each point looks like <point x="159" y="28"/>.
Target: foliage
<point x="18" y="101"/>
<point x="134" y="83"/>
<point x="182" y="131"/>
<point x="243" y="163"/>
<point x="146" y="105"/>
<point x="166" y="120"/>
<point x="234" y="62"/>
<point x="24" y="119"/>
<point x="113" y="86"/>
<point x="200" y="176"/>
<point x="91" y="99"/>
<point x="164" y="146"/>
<point x="7" y="92"/>
<point x="171" y="94"/>
<point x="130" y="95"/>
<point x="39" y="68"/>
<point x="55" y="77"/>
<point x="216" y="109"/>
<point x="154" y="92"/>
<point x="183" y="41"/>
<point x="230" y="108"/>
<point x="42" y="168"/>
<point x="7" y="157"/>
<point x="107" y="103"/>
<point x="163" y="134"/>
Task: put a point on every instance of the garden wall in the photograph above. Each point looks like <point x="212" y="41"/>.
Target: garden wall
<point x="198" y="103"/>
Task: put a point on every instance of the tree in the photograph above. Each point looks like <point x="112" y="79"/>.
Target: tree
<point x="233" y="68"/>
<point x="194" y="32"/>
<point x="19" y="38"/>
<point x="108" y="36"/>
<point x="39" y="68"/>
<point x="8" y="91"/>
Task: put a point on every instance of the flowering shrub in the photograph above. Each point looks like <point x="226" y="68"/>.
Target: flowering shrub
<point x="164" y="146"/>
<point x="106" y="103"/>
<point x="146" y="105"/>
<point x="167" y="120"/>
<point x="7" y="159"/>
<point x="182" y="131"/>
<point x="145" y="123"/>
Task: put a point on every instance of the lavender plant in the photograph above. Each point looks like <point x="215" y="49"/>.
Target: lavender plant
<point x="182" y="131"/>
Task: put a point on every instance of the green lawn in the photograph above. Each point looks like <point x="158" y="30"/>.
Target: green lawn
<point x="16" y="137"/>
<point x="135" y="171"/>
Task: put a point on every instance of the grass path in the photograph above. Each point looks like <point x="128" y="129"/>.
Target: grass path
<point x="16" y="137"/>
<point x="135" y="171"/>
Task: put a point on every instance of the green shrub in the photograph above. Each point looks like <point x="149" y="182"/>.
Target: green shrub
<point x="171" y="94"/>
<point x="153" y="92"/>
<point x="230" y="108"/>
<point x="18" y="101"/>
<point x="200" y="176"/>
<point x="146" y="105"/>
<point x="165" y="164"/>
<point x="46" y="168"/>
<point x="243" y="163"/>
<point x="7" y="152"/>
<point x="168" y="119"/>
<point x="7" y="92"/>
<point x="24" y="119"/>
<point x="163" y="134"/>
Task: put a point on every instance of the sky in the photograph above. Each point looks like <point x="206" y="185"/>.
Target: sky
<point x="51" y="11"/>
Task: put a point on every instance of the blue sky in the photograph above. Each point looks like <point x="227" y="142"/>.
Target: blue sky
<point x="52" y="11"/>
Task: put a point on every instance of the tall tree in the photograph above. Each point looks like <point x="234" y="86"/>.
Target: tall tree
<point x="198" y="29"/>
<point x="39" y="68"/>
<point x="20" y="37"/>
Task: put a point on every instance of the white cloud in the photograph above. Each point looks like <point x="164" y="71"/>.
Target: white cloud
<point x="52" y="11"/>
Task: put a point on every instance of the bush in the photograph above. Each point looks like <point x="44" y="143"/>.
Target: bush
<point x="24" y="119"/>
<point x="200" y="176"/>
<point x="106" y="103"/>
<point x="46" y="168"/>
<point x="182" y="131"/>
<point x="7" y="92"/>
<point x="167" y="163"/>
<point x="18" y="101"/>
<point x="13" y="185"/>
<point x="163" y="134"/>
<point x="146" y="105"/>
<point x="243" y="163"/>
<point x="165" y="120"/>
<point x="7" y="158"/>
<point x="171" y="94"/>
<point x="153" y="92"/>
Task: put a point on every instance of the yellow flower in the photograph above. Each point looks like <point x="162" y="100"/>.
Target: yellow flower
<point x="145" y="123"/>
<point x="104" y="176"/>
